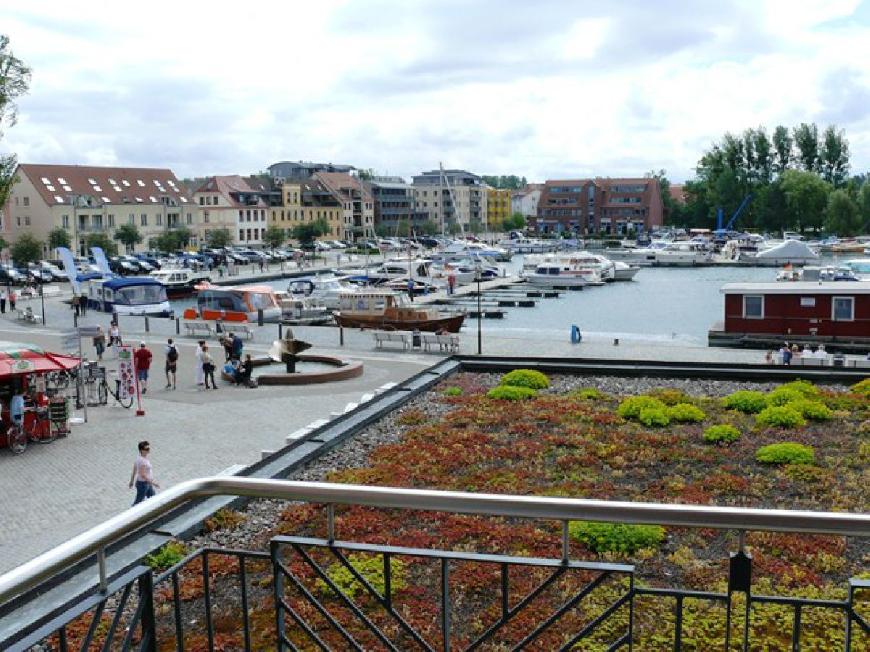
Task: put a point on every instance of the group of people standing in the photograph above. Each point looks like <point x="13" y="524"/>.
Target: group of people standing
<point x="788" y="353"/>
<point x="235" y="367"/>
<point x="11" y="297"/>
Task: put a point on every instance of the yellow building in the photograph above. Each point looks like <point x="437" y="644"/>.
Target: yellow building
<point x="307" y="201"/>
<point x="498" y="207"/>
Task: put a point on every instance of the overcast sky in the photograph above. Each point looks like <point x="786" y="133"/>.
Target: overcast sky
<point x="543" y="88"/>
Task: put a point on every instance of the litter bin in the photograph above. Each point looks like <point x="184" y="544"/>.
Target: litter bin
<point x="416" y="339"/>
<point x="839" y="360"/>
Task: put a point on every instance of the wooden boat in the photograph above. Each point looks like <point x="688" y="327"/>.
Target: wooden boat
<point x="393" y="311"/>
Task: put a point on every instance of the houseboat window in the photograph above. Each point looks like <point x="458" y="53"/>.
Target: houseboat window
<point x="808" y="302"/>
<point x="844" y="309"/>
<point x="141" y="294"/>
<point x="753" y="307"/>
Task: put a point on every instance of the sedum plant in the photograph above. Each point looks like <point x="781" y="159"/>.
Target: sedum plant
<point x="721" y="434"/>
<point x="746" y="401"/>
<point x="616" y="537"/>
<point x="526" y="378"/>
<point x="783" y="416"/>
<point x="507" y="393"/>
<point x="788" y="452"/>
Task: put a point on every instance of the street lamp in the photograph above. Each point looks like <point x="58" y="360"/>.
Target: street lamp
<point x="478" y="271"/>
<point x="42" y="302"/>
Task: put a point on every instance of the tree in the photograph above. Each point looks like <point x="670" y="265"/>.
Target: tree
<point x="842" y="215"/>
<point x="806" y="197"/>
<point x="14" y="82"/>
<point x="171" y="240"/>
<point x="129" y="235"/>
<point x="428" y="228"/>
<point x="366" y="174"/>
<point x="806" y="139"/>
<point x="515" y="222"/>
<point x="27" y="249"/>
<point x="58" y="237"/>
<point x="454" y="228"/>
<point x="504" y="182"/>
<point x="102" y="241"/>
<point x="218" y="238"/>
<point x="307" y="232"/>
<point x="475" y="226"/>
<point x="864" y="206"/>
<point x="274" y="236"/>
<point x="182" y="236"/>
<point x="834" y="156"/>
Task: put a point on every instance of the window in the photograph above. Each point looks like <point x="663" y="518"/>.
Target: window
<point x="241" y="234"/>
<point x="753" y="307"/>
<point x="843" y="309"/>
<point x="111" y="221"/>
<point x="65" y="221"/>
<point x="189" y="218"/>
<point x="159" y="220"/>
<point x="26" y="220"/>
<point x="205" y="216"/>
<point x="143" y="219"/>
<point x="131" y="219"/>
<point x="26" y="201"/>
<point x="201" y="201"/>
<point x="808" y="302"/>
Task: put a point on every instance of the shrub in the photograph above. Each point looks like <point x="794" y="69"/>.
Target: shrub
<point x="588" y="393"/>
<point x="812" y="410"/>
<point x="371" y="568"/>
<point x="167" y="556"/>
<point x="746" y="401"/>
<point x="805" y="387"/>
<point x="723" y="433"/>
<point x="507" y="393"/>
<point x="862" y="387"/>
<point x="453" y="391"/>
<point x="686" y="413"/>
<point x="654" y="417"/>
<point x="616" y="537"/>
<point x="783" y="396"/>
<point x="783" y="416"/>
<point x="630" y="408"/>
<point x="788" y="452"/>
<point x="670" y="395"/>
<point x="526" y="378"/>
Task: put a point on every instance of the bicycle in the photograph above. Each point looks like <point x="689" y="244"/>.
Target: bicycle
<point x="41" y="429"/>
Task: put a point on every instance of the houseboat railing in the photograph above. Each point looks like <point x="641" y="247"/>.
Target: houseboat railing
<point x="95" y="541"/>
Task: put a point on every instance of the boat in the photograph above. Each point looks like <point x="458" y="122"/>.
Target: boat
<point x="301" y="311"/>
<point x="790" y="251"/>
<point x="563" y="274"/>
<point x="128" y="295"/>
<point x="604" y="268"/>
<point x="683" y="253"/>
<point x="235" y="304"/>
<point x="817" y="274"/>
<point x="637" y="256"/>
<point x="858" y="266"/>
<point x="623" y="271"/>
<point x="180" y="282"/>
<point x="392" y="311"/>
<point x="525" y="245"/>
<point x="464" y="249"/>
<point x="323" y="289"/>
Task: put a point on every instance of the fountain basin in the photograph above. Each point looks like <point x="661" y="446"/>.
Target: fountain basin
<point x="332" y="369"/>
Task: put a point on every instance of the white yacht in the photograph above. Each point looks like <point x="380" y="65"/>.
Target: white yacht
<point x="637" y="256"/>
<point x="179" y="282"/>
<point x="860" y="267"/>
<point x="683" y="253"/>
<point x="324" y="290"/>
<point x="790" y="251"/>
<point x="463" y="249"/>
<point x="528" y="245"/>
<point x="562" y="274"/>
<point x="604" y="268"/>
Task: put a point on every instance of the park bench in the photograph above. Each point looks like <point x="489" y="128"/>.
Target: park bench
<point x="447" y="342"/>
<point x="28" y="316"/>
<point x="392" y="337"/>
<point x="199" y="327"/>
<point x="243" y="328"/>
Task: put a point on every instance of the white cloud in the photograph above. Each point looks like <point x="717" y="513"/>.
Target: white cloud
<point x="541" y="89"/>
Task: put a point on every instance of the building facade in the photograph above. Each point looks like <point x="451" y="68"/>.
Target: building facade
<point x="356" y="198"/>
<point x="395" y="206"/>
<point x="86" y="200"/>
<point x="229" y="202"/>
<point x="525" y="201"/>
<point x="453" y="199"/>
<point x="600" y="206"/>
<point x="498" y="207"/>
<point x="308" y="201"/>
<point x="300" y="170"/>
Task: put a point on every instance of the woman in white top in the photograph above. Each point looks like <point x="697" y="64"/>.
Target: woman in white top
<point x="142" y="474"/>
<point x="200" y="373"/>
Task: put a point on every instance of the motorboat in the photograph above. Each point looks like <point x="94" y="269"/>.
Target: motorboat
<point x="817" y="274"/>
<point x="323" y="289"/>
<point x="128" y="295"/>
<point x="393" y="311"/>
<point x="790" y="251"/>
<point x="601" y="265"/>
<point x="562" y="274"/>
<point x="235" y="304"/>
<point x="623" y="271"/>
<point x="747" y="244"/>
<point x="683" y="253"/>
<point x="858" y="266"/>
<point x="180" y="282"/>
<point x="637" y="256"/>
<point x="301" y="311"/>
<point x="463" y="249"/>
<point x="525" y="245"/>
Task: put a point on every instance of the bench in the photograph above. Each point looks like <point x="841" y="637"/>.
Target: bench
<point x="392" y="337"/>
<point x="196" y="327"/>
<point x="243" y="328"/>
<point x="28" y="315"/>
<point x="447" y="342"/>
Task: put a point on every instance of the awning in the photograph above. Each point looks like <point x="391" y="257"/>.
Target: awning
<point x="18" y="358"/>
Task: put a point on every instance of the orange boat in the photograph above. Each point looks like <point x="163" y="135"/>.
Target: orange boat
<point x="235" y="304"/>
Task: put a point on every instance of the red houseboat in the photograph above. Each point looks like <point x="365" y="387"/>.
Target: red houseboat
<point x="767" y="314"/>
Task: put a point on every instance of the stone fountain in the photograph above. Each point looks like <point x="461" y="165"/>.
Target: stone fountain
<point x="287" y="350"/>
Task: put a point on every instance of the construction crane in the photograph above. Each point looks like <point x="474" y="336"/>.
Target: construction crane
<point x="720" y="217"/>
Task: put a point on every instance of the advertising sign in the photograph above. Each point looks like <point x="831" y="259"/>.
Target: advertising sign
<point x="127" y="386"/>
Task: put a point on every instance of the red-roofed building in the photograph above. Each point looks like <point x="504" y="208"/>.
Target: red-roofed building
<point x="230" y="202"/>
<point x="357" y="200"/>
<point x="84" y="200"/>
<point x="608" y="206"/>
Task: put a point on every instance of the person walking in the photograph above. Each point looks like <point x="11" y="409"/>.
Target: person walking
<point x="2" y="302"/>
<point x="208" y="367"/>
<point x="200" y="374"/>
<point x="142" y="358"/>
<point x="451" y="282"/>
<point x="171" y="363"/>
<point x="83" y="304"/>
<point x="74" y="304"/>
<point x="100" y="343"/>
<point x="12" y="299"/>
<point x="114" y="335"/>
<point x="411" y="289"/>
<point x="143" y="474"/>
<point x="237" y="347"/>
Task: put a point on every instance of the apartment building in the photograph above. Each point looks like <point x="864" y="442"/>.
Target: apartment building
<point x="395" y="205"/>
<point x="301" y="170"/>
<point x="85" y="200"/>
<point x="230" y="202"/>
<point x="601" y="205"/>
<point x="308" y="200"/>
<point x="453" y="199"/>
<point x="356" y="198"/>
<point x="498" y="207"/>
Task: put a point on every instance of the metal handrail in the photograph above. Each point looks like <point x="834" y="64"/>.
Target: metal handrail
<point x="97" y="539"/>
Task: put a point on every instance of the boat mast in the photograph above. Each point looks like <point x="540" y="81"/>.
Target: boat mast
<point x="441" y="196"/>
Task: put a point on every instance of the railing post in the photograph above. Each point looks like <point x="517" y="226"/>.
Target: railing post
<point x="101" y="567"/>
<point x="330" y="523"/>
<point x="445" y="603"/>
<point x="178" y="325"/>
<point x="148" y="624"/>
<point x="566" y="543"/>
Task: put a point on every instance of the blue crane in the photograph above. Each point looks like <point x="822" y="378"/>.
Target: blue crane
<point x="720" y="217"/>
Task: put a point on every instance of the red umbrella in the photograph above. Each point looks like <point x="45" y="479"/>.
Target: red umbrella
<point x="18" y="358"/>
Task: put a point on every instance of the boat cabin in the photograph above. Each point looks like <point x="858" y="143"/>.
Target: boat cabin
<point x="820" y="310"/>
<point x="130" y="295"/>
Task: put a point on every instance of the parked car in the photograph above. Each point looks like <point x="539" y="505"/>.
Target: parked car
<point x="39" y="275"/>
<point x="119" y="265"/>
<point x="10" y="275"/>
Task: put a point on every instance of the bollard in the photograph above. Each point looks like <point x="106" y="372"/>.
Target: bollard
<point x="615" y="341"/>
<point x="259" y="316"/>
<point x="146" y="325"/>
<point x="178" y="326"/>
<point x="280" y="331"/>
<point x="341" y="335"/>
<point x="218" y="326"/>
